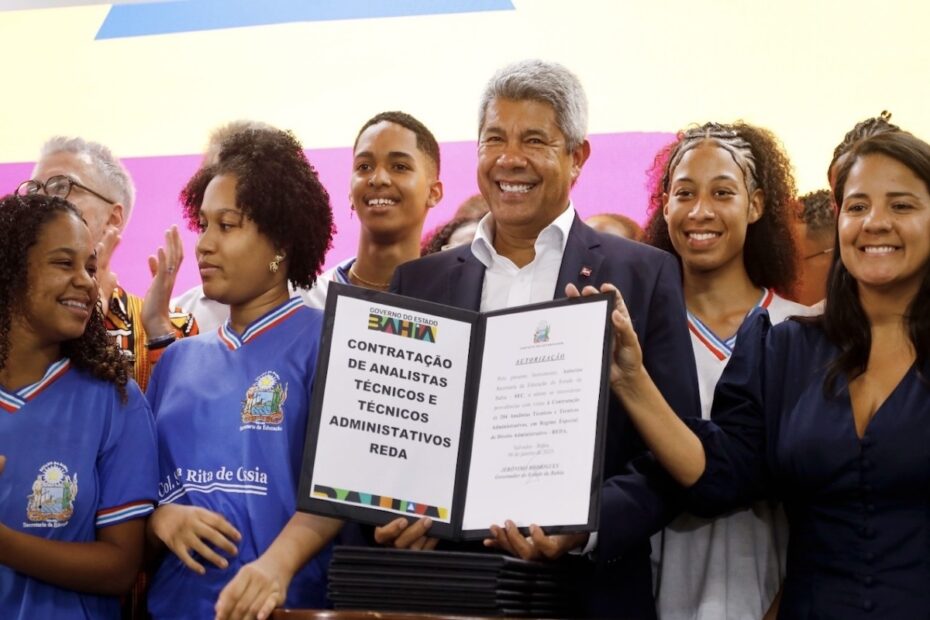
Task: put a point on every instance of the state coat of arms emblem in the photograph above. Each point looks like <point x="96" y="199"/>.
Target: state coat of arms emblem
<point x="53" y="494"/>
<point x="264" y="400"/>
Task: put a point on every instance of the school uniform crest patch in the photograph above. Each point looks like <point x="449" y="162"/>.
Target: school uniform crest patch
<point x="53" y="494"/>
<point x="264" y="401"/>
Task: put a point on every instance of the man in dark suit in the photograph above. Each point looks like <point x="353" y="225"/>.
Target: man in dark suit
<point x="532" y="147"/>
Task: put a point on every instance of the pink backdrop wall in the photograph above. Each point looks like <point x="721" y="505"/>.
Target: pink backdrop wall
<point x="614" y="179"/>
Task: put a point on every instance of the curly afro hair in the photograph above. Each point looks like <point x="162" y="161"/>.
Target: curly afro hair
<point x="817" y="211"/>
<point x="769" y="251"/>
<point x="278" y="189"/>
<point x="22" y="219"/>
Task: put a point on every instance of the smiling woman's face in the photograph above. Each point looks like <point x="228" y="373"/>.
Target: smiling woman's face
<point x="61" y="290"/>
<point x="884" y="225"/>
<point x="708" y="209"/>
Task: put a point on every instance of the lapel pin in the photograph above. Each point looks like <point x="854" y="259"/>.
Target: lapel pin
<point x="585" y="272"/>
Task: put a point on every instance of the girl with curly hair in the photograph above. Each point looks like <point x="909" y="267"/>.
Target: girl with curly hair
<point x="231" y="405"/>
<point x="76" y="432"/>
<point x="827" y="413"/>
<point x="721" y="204"/>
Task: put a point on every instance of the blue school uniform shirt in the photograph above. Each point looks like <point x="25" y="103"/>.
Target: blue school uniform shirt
<point x="78" y="459"/>
<point x="858" y="508"/>
<point x="231" y="416"/>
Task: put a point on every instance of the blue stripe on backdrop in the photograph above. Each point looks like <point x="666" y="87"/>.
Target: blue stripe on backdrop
<point x="149" y="18"/>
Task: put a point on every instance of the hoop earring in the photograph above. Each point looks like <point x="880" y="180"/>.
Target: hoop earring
<point x="275" y="263"/>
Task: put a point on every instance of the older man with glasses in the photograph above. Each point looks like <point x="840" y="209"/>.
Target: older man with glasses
<point x="89" y="176"/>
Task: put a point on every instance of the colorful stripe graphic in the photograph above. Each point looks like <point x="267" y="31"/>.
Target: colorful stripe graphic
<point x="401" y="327"/>
<point x="380" y="501"/>
<point x="135" y="20"/>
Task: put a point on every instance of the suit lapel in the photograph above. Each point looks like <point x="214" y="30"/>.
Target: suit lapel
<point x="466" y="280"/>
<point x="581" y="265"/>
<point x="581" y="261"/>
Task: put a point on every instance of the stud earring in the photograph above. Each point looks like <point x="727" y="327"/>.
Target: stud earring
<point x="274" y="264"/>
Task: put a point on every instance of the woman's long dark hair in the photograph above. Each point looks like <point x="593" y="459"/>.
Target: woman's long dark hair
<point x="844" y="320"/>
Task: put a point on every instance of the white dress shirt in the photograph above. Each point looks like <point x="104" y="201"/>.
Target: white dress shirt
<point x="505" y="284"/>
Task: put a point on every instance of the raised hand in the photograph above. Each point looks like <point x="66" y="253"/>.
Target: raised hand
<point x="164" y="267"/>
<point x="626" y="360"/>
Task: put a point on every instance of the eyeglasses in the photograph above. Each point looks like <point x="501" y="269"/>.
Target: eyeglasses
<point x="59" y="185"/>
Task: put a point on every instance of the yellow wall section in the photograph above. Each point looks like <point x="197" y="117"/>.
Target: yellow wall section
<point x="807" y="70"/>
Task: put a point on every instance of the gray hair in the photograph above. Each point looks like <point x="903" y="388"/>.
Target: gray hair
<point x="110" y="170"/>
<point x="220" y="135"/>
<point x="546" y="82"/>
